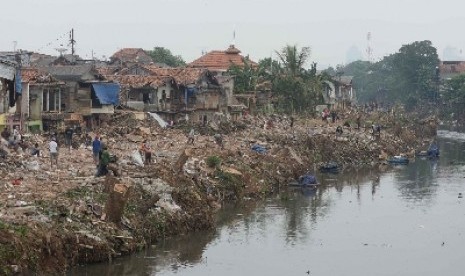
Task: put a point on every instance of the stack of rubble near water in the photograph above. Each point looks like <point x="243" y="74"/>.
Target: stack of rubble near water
<point x="54" y="218"/>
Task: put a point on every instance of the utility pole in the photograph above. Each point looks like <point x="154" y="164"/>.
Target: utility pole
<point x="72" y="41"/>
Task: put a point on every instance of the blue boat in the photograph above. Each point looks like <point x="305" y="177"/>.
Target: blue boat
<point x="398" y="160"/>
<point x="306" y="180"/>
<point x="433" y="151"/>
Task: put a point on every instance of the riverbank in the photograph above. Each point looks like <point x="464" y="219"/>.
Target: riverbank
<point x="54" y="218"/>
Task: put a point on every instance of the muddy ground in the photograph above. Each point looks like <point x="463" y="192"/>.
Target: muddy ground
<point x="53" y="218"/>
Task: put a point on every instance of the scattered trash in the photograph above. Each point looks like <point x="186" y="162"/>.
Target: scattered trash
<point x="16" y="181"/>
<point x="259" y="149"/>
<point x="137" y="158"/>
<point x="160" y="121"/>
<point x="33" y="165"/>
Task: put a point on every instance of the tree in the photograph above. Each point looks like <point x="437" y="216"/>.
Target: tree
<point x="408" y="76"/>
<point x="415" y="65"/>
<point x="269" y="68"/>
<point x="454" y="96"/>
<point x="296" y="88"/>
<point x="293" y="60"/>
<point x="245" y="77"/>
<point x="163" y="55"/>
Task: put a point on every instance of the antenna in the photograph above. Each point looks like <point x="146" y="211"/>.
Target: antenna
<point x="234" y="36"/>
<point x="72" y="42"/>
<point x="271" y="63"/>
<point x="61" y="51"/>
<point x="15" y="43"/>
<point x="369" y="50"/>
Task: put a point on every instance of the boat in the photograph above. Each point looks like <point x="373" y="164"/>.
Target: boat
<point x="330" y="167"/>
<point x="433" y="151"/>
<point x="306" y="180"/>
<point x="398" y="159"/>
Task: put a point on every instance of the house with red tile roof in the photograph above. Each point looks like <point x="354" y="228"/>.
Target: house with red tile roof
<point x="220" y="61"/>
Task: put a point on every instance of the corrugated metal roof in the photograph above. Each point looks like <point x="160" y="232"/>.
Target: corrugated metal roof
<point x="70" y="72"/>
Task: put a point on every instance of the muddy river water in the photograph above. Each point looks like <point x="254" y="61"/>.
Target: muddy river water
<point x="403" y="220"/>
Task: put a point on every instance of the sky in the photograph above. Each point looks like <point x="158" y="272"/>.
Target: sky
<point x="190" y="27"/>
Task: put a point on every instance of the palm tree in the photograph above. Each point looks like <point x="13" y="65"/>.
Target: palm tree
<point x="293" y="60"/>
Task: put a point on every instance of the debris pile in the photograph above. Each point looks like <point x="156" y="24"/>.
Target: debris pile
<point x="66" y="211"/>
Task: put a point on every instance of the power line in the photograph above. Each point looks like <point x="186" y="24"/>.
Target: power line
<point x="49" y="44"/>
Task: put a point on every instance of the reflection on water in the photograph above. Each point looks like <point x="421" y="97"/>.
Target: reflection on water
<point x="405" y="220"/>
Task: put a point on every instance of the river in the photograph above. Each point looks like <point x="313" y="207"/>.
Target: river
<point x="403" y="220"/>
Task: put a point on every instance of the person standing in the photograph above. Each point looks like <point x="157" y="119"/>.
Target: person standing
<point x="219" y="140"/>
<point x="69" y="137"/>
<point x="190" y="136"/>
<point x="147" y="152"/>
<point x="102" y="145"/>
<point x="15" y="133"/>
<point x="103" y="162"/>
<point x="6" y="133"/>
<point x="35" y="150"/>
<point x="53" y="147"/>
<point x="96" y="147"/>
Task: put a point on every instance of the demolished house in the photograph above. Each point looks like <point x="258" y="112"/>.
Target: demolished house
<point x="84" y="98"/>
<point x="128" y="57"/>
<point x="173" y="93"/>
<point x="339" y="92"/>
<point x="218" y="63"/>
<point x="41" y="95"/>
<point x="8" y="95"/>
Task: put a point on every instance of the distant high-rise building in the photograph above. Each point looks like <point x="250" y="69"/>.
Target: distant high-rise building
<point x="353" y="54"/>
<point x="369" y="50"/>
<point x="452" y="53"/>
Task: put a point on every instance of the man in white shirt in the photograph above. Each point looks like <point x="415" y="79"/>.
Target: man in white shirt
<point x="53" y="147"/>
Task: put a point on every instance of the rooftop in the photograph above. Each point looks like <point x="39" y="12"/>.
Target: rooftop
<point x="136" y="81"/>
<point x="220" y="60"/>
<point x="131" y="55"/>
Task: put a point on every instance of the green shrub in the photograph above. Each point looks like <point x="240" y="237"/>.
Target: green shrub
<point x="213" y="161"/>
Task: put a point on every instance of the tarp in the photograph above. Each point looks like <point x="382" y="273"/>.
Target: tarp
<point x="18" y="85"/>
<point x="189" y="92"/>
<point x="107" y="93"/>
<point x="160" y="121"/>
<point x="259" y="148"/>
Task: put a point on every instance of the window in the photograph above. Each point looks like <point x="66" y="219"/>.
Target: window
<point x="51" y="100"/>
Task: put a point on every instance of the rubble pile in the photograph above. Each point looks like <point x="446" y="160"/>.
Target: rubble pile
<point x="56" y="217"/>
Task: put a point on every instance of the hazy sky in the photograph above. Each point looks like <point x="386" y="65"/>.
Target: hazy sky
<point x="188" y="27"/>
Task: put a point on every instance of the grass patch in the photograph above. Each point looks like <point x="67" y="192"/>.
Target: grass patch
<point x="213" y="161"/>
